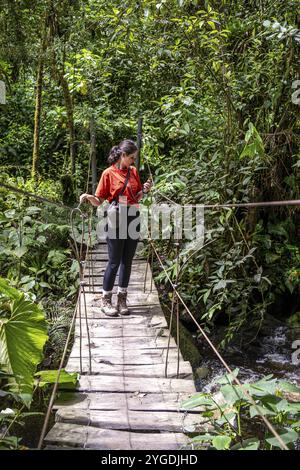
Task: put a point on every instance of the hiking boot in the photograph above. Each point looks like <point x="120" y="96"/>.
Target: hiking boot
<point x="106" y="306"/>
<point x="121" y="305"/>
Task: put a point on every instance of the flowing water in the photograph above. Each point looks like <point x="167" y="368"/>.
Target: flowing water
<point x="270" y="353"/>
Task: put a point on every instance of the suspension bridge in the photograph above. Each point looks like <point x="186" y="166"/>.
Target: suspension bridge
<point x="133" y="377"/>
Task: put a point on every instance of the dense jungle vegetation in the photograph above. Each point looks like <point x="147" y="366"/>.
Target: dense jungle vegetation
<point x="217" y="85"/>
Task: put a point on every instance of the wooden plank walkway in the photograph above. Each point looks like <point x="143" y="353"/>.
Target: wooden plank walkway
<point x="112" y="408"/>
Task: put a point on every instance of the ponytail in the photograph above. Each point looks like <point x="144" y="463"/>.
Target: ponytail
<point x="114" y="155"/>
<point x="126" y="146"/>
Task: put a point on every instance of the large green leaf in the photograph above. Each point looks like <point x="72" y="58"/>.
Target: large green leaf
<point x="267" y="385"/>
<point x="228" y="378"/>
<point x="247" y="444"/>
<point x="287" y="435"/>
<point x="260" y="410"/>
<point x="47" y="377"/>
<point x="8" y="291"/>
<point x="22" y="339"/>
<point x="221" y="442"/>
<point x="198" y="400"/>
<point x="233" y="393"/>
<point x="284" y="386"/>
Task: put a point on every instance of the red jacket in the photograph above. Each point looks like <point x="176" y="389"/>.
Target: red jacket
<point x="112" y="181"/>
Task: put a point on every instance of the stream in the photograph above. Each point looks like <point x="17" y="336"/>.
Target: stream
<point x="270" y="353"/>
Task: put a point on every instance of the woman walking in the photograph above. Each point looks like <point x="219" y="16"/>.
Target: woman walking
<point x="120" y="182"/>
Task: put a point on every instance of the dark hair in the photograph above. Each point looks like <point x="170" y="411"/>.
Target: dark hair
<point x="127" y="146"/>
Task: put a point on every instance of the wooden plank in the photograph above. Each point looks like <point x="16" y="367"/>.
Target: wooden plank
<point x="134" y="277"/>
<point x="117" y="401"/>
<point x="144" y="341"/>
<point x="146" y="321"/>
<point x="94" y="305"/>
<point x="99" y="330"/>
<point x="102" y="242"/>
<point x="96" y="288"/>
<point x="139" y="268"/>
<point x="158" y="321"/>
<point x="137" y="288"/>
<point x="114" y="327"/>
<point x="127" y="420"/>
<point x="107" y="439"/>
<point x="100" y="260"/>
<point x="136" y="401"/>
<point x="154" y="321"/>
<point x="136" y="274"/>
<point x="98" y="285"/>
<point x="135" y="317"/>
<point x="121" y="343"/>
<point x="103" y="246"/>
<point x="103" y="256"/>
<point x="141" y="310"/>
<point x="104" y="249"/>
<point x="129" y="360"/>
<point x="142" y="357"/>
<point x="134" y="299"/>
<point x="150" y="370"/>
<point x="134" y="311"/>
<point x="50" y="447"/>
<point x="110" y="383"/>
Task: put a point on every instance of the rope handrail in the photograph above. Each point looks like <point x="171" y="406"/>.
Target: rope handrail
<point x="292" y="202"/>
<point x="35" y="196"/>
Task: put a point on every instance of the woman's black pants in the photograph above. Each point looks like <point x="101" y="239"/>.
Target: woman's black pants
<point x="120" y="255"/>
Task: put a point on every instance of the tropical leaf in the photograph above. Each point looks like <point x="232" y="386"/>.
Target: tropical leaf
<point x="284" y="386"/>
<point x="247" y="444"/>
<point x="47" y="377"/>
<point x="287" y="435"/>
<point x="233" y="393"/>
<point x="221" y="442"/>
<point x="8" y="291"/>
<point x="22" y="339"/>
<point x="198" y="400"/>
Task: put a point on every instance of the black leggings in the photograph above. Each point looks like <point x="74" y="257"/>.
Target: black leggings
<point x="120" y="254"/>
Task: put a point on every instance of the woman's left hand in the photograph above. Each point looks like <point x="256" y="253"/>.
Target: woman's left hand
<point x="147" y="186"/>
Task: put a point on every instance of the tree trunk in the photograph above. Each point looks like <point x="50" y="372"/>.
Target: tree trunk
<point x="93" y="154"/>
<point x="38" y="107"/>
<point x="59" y="76"/>
<point x="70" y="117"/>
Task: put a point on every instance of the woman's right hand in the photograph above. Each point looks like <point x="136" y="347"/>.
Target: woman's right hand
<point x="94" y="200"/>
<point x="83" y="198"/>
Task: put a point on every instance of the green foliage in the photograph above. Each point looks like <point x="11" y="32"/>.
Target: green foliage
<point x="237" y="423"/>
<point x="48" y="377"/>
<point x="23" y="334"/>
<point x="34" y="244"/>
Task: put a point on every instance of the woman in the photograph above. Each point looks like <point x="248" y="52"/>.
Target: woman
<point x="119" y="180"/>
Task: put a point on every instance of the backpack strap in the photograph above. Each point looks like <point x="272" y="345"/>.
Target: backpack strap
<point x="116" y="198"/>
